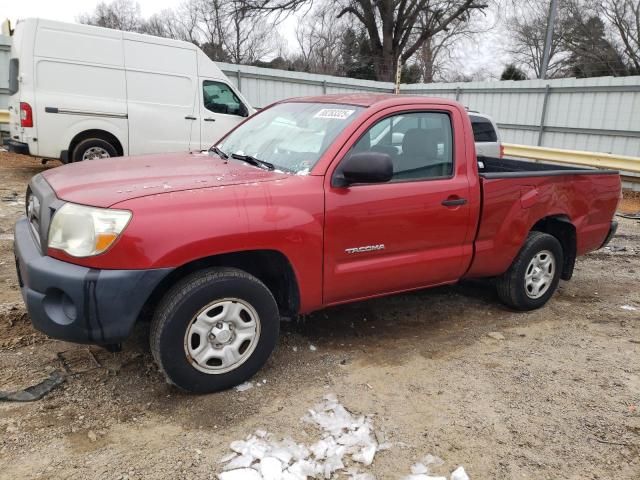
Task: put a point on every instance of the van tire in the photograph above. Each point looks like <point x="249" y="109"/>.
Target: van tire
<point x="515" y="286"/>
<point x="178" y="318"/>
<point x="98" y="146"/>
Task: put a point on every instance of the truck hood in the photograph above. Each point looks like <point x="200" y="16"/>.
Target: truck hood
<point x="102" y="183"/>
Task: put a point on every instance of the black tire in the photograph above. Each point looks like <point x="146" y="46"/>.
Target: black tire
<point x="184" y="301"/>
<point x="511" y="286"/>
<point x="92" y="143"/>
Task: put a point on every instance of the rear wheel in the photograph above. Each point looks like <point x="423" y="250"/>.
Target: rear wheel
<point x="534" y="275"/>
<point x="214" y="330"/>
<point x="93" y="149"/>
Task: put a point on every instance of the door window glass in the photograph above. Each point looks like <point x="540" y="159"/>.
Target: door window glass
<point x="219" y="98"/>
<point x="419" y="144"/>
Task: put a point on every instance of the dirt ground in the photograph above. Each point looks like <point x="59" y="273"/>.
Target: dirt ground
<point x="555" y="395"/>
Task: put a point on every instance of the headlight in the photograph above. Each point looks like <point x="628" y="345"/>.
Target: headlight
<point x="84" y="231"/>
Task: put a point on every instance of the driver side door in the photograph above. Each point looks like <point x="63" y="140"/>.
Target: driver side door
<point x="412" y="232"/>
<point x="220" y="110"/>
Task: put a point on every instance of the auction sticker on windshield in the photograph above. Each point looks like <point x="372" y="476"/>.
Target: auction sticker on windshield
<point x="335" y="113"/>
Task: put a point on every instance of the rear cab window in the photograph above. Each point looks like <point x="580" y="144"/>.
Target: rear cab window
<point x="483" y="130"/>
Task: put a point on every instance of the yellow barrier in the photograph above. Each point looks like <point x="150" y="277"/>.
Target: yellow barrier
<point x="4" y="116"/>
<point x="574" y="157"/>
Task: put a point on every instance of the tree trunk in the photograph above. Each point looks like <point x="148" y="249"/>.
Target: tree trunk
<point x="426" y="57"/>
<point x="385" y="65"/>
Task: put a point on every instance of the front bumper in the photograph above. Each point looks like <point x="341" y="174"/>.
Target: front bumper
<point x="17" y="147"/>
<point x="79" y="304"/>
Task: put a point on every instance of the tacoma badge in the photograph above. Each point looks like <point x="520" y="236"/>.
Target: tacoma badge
<point x="366" y="248"/>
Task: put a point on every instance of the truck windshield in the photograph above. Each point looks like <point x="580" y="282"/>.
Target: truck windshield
<point x="291" y="136"/>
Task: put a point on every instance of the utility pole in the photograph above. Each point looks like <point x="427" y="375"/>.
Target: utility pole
<point x="551" y="20"/>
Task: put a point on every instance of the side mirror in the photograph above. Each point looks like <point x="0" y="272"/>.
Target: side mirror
<point x="363" y="167"/>
<point x="244" y="111"/>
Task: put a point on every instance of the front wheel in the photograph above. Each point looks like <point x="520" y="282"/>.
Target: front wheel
<point x="214" y="330"/>
<point x="534" y="275"/>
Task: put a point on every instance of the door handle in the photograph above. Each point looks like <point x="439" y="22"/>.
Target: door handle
<point x="189" y="117"/>
<point x="454" y="202"/>
<point x="209" y="119"/>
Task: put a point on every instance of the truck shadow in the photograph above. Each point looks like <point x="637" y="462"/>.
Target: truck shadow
<point x="425" y="310"/>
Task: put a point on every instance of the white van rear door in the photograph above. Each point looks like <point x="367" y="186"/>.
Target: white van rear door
<point x="161" y="89"/>
<point x="220" y="110"/>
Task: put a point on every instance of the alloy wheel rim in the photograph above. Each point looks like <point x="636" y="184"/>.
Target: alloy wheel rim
<point x="539" y="274"/>
<point x="222" y="336"/>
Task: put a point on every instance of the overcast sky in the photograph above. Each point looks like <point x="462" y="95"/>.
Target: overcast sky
<point x="68" y="10"/>
<point x="479" y="54"/>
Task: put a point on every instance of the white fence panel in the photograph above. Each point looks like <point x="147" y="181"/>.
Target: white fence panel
<point x="593" y="114"/>
<point x="263" y="86"/>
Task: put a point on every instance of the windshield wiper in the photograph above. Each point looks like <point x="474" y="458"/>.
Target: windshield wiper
<point x="254" y="161"/>
<point x="219" y="152"/>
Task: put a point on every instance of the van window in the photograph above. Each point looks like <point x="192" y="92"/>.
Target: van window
<point x="14" y="71"/>
<point x="483" y="130"/>
<point x="219" y="98"/>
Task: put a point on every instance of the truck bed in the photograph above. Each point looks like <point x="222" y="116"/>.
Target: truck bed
<point x="491" y="167"/>
<point x="518" y="194"/>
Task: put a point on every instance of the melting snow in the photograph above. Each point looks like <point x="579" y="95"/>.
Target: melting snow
<point x="345" y="438"/>
<point x="459" y="474"/>
<point x="629" y="308"/>
<point x="243" y="387"/>
<point x="347" y="443"/>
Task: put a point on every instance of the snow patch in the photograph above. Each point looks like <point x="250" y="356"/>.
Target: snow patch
<point x="243" y="387"/>
<point x="346" y="443"/>
<point x="345" y="438"/>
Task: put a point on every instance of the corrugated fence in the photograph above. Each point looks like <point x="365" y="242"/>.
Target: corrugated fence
<point x="594" y="114"/>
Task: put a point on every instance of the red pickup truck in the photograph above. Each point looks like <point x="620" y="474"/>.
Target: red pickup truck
<point x="311" y="202"/>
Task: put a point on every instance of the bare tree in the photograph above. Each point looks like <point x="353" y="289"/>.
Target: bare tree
<point x="624" y="16"/>
<point x="527" y="26"/>
<point x="248" y="37"/>
<point x="592" y="49"/>
<point x="396" y="29"/>
<point x="319" y="36"/>
<point x="169" y="24"/>
<point x="437" y="56"/>
<point x="119" y="14"/>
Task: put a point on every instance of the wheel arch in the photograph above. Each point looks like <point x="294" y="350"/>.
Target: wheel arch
<point x="271" y="267"/>
<point x="95" y="133"/>
<point x="561" y="227"/>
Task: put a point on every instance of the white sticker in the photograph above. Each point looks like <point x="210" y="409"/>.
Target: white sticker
<point x="335" y="113"/>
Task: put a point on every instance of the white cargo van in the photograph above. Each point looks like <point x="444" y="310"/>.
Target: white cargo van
<point x="79" y="92"/>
